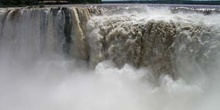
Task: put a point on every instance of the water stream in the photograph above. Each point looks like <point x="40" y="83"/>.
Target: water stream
<point x="114" y="57"/>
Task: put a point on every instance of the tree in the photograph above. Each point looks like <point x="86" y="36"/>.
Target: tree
<point x="35" y="2"/>
<point x="18" y="2"/>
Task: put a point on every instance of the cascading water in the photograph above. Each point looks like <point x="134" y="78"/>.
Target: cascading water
<point x="126" y="57"/>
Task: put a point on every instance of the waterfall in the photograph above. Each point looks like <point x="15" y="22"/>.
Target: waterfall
<point x="104" y="57"/>
<point x="47" y="30"/>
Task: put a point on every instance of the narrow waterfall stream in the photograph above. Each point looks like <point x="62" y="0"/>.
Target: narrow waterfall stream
<point x="110" y="57"/>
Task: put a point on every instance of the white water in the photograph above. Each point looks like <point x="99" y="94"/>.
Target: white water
<point x="53" y="82"/>
<point x="63" y="85"/>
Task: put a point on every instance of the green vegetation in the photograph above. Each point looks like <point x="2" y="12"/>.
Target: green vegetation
<point x="6" y="3"/>
<point x="37" y="2"/>
<point x="18" y="2"/>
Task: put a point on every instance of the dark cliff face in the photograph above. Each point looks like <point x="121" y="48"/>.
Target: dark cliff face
<point x="139" y="36"/>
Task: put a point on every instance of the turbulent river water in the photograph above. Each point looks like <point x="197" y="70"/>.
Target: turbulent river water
<point x="110" y="57"/>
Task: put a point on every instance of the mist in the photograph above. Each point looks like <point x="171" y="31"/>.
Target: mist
<point x="41" y="69"/>
<point x="61" y="85"/>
